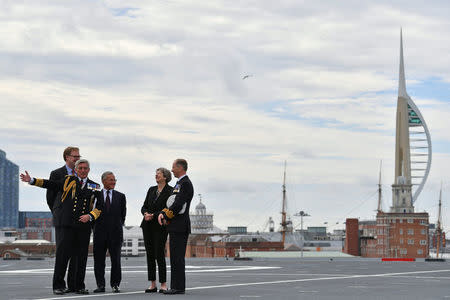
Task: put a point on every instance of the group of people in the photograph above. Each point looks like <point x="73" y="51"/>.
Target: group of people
<point x="80" y="206"/>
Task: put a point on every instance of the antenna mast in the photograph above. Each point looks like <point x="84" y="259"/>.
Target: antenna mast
<point x="283" y="211"/>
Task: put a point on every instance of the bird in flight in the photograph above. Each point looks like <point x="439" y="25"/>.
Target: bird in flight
<point x="246" y="76"/>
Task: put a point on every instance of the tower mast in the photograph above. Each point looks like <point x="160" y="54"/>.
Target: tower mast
<point x="283" y="210"/>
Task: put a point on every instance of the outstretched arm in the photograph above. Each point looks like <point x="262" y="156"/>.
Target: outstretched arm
<point x="42" y="183"/>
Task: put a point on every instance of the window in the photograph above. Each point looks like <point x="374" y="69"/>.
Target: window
<point x="401" y="230"/>
<point x="410" y="231"/>
<point x="380" y="231"/>
<point x="400" y="221"/>
<point x="423" y="222"/>
<point x="410" y="241"/>
<point x="423" y="242"/>
<point x="410" y="221"/>
<point x="419" y="251"/>
<point x="380" y="242"/>
<point x="403" y="251"/>
<point x="423" y="231"/>
<point x="401" y="241"/>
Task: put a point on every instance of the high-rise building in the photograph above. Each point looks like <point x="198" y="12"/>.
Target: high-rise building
<point x="9" y="192"/>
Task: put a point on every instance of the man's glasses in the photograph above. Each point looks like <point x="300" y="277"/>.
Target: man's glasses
<point x="76" y="156"/>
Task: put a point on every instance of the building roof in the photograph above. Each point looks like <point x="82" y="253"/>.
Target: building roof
<point x="31" y="242"/>
<point x="200" y="206"/>
<point x="16" y="251"/>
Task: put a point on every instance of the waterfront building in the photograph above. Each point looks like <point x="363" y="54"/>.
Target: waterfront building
<point x="9" y="192"/>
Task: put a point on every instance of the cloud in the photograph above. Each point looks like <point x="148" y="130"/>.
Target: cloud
<point x="137" y="86"/>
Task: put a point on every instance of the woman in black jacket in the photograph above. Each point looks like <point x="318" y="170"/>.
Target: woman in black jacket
<point x="155" y="236"/>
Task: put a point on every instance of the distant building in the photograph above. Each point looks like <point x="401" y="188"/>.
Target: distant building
<point x="36" y="225"/>
<point x="31" y="247"/>
<point x="201" y="221"/>
<point x="9" y="193"/>
<point x="228" y="245"/>
<point x="8" y="235"/>
<point x="39" y="219"/>
<point x="337" y="235"/>
<point x="237" y="230"/>
<point x="36" y="233"/>
<point x="393" y="235"/>
<point x="352" y="244"/>
<point x="133" y="241"/>
<point x="315" y="233"/>
<point x="368" y="241"/>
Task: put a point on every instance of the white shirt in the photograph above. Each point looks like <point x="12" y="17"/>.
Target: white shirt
<point x="82" y="181"/>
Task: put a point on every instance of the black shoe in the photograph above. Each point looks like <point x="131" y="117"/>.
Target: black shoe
<point x="100" y="289"/>
<point x="58" y="292"/>
<point x="115" y="289"/>
<point x="173" y="292"/>
<point x="153" y="290"/>
<point x="162" y="291"/>
<point x="68" y="290"/>
<point x="82" y="292"/>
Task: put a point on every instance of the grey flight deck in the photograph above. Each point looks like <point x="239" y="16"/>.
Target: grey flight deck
<point x="341" y="278"/>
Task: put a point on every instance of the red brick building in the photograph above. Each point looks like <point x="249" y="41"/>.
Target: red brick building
<point x="392" y="235"/>
<point x="204" y="245"/>
<point x="402" y="235"/>
<point x="351" y="245"/>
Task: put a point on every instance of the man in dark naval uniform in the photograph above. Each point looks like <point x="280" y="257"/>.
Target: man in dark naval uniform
<point x="176" y="217"/>
<point x="73" y="212"/>
<point x="70" y="155"/>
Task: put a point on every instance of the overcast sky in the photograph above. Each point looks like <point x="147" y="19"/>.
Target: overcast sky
<point x="137" y="86"/>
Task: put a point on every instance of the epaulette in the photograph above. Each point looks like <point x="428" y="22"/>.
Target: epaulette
<point x="168" y="213"/>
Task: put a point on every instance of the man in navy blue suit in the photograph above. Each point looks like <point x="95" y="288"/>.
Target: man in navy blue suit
<point x="71" y="155"/>
<point x="108" y="233"/>
<point x="176" y="217"/>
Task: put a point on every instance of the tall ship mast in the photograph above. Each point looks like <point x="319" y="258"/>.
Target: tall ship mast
<point x="283" y="208"/>
<point x="439" y="226"/>
<point x="380" y="208"/>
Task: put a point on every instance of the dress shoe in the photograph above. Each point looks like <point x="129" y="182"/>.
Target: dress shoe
<point x="100" y="289"/>
<point x="68" y="290"/>
<point x="153" y="290"/>
<point x="162" y="291"/>
<point x="173" y="292"/>
<point x="82" y="292"/>
<point x="115" y="289"/>
<point x="58" y="292"/>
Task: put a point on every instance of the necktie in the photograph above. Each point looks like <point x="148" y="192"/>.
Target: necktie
<point x="107" y="201"/>
<point x="82" y="183"/>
